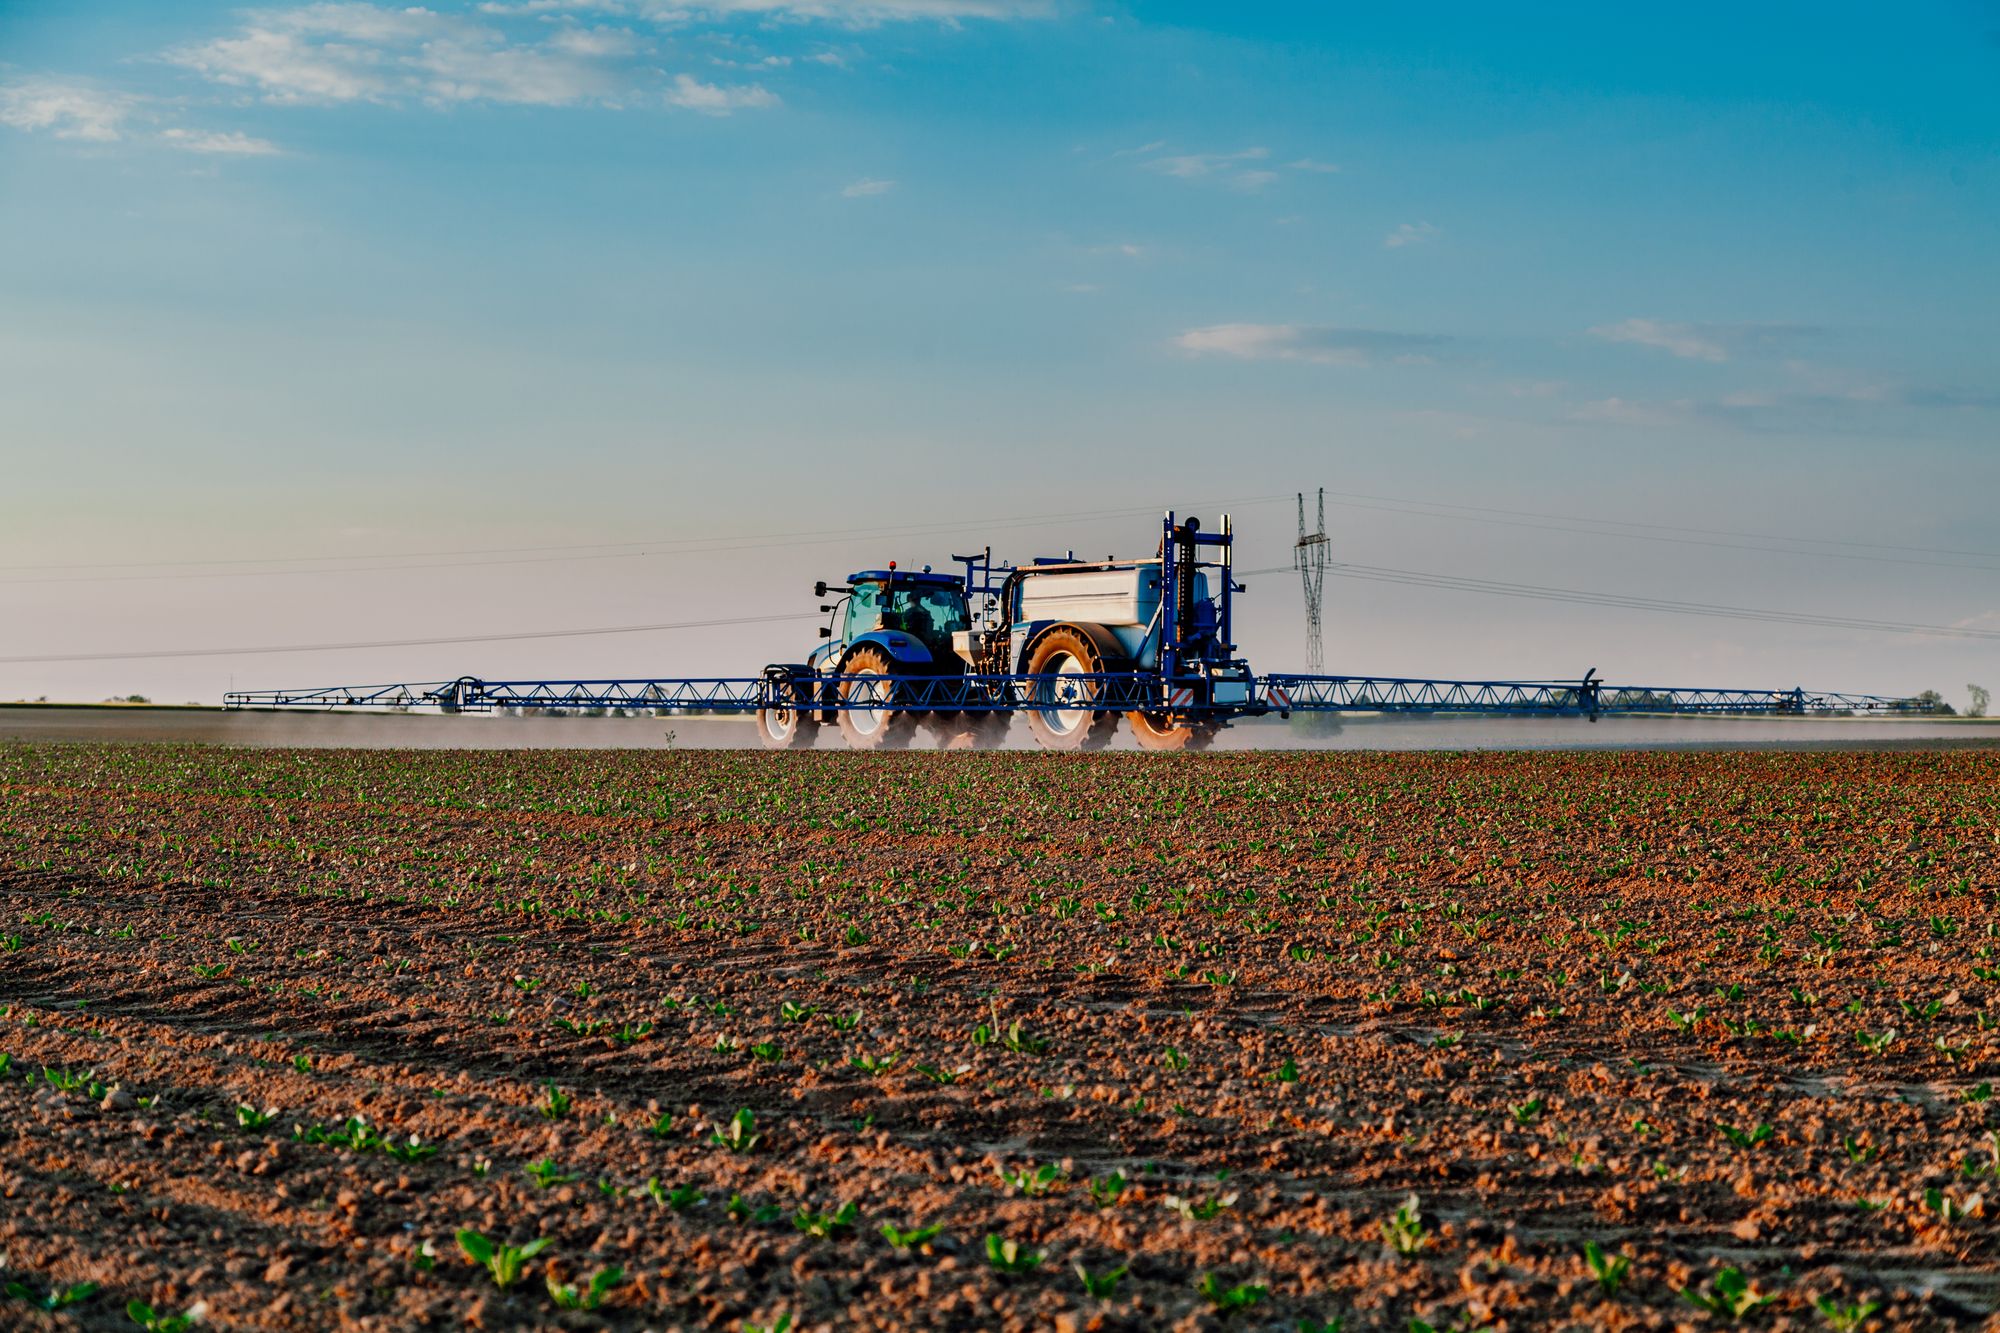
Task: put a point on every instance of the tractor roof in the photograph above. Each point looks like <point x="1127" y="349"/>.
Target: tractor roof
<point x="923" y="580"/>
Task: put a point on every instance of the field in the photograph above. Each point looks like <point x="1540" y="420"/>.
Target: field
<point x="998" y="1041"/>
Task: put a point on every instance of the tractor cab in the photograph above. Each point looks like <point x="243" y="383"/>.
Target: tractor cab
<point x="911" y="616"/>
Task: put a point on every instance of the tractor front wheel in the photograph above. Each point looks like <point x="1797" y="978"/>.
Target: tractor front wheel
<point x="786" y="728"/>
<point x="868" y="718"/>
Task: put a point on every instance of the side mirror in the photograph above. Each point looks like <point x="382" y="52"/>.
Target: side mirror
<point x="826" y="631"/>
<point x="819" y="589"/>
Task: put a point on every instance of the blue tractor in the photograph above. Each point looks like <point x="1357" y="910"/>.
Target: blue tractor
<point x="1073" y="645"/>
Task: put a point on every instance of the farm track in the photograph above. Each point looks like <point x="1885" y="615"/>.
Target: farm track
<point x="1706" y="1011"/>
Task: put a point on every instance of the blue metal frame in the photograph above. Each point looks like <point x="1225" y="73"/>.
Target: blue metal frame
<point x="1108" y="692"/>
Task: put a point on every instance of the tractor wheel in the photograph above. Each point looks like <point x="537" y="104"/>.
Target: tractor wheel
<point x="872" y="728"/>
<point x="787" y="728"/>
<point x="1059" y="711"/>
<point x="1155" y="732"/>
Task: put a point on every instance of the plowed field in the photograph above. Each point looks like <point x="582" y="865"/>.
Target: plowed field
<point x="998" y="1041"/>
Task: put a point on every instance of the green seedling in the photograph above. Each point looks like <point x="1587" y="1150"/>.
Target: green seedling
<point x="1405" y="1228"/>
<point x="569" y="1297"/>
<point x="826" y="1226"/>
<point x="846" y="1023"/>
<point x="1031" y="1183"/>
<point x="874" y="1065"/>
<point x="1878" y="1042"/>
<point x="1198" y="1210"/>
<point x="782" y="1324"/>
<point x="1171" y="1057"/>
<point x="249" y="1117"/>
<point x="663" y="1125"/>
<point x="1610" y="1270"/>
<point x="56" y="1298"/>
<point x="1104" y="1190"/>
<point x="1527" y="1111"/>
<point x="546" y="1173"/>
<point x="1857" y="1151"/>
<point x="1845" y="1318"/>
<point x="796" y="1013"/>
<point x="302" y="1063"/>
<point x="506" y="1263"/>
<point x="1017" y="1040"/>
<point x="1751" y="1138"/>
<point x="942" y="1076"/>
<point x="1103" y="1286"/>
<point x="555" y="1102"/>
<point x="1729" y="1295"/>
<point x="1225" y="1299"/>
<point x="1008" y="1256"/>
<point x="739" y="1135"/>
<point x="161" y="1321"/>
<point x="768" y="1051"/>
<point x="1948" y="1209"/>
<point x="916" y="1238"/>
<point x="1288" y="1072"/>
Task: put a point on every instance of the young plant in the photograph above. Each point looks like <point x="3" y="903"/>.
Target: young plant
<point x="1031" y="1183"/>
<point x="739" y="1135"/>
<point x="555" y="1102"/>
<point x="506" y="1263"/>
<point x="1405" y="1228"/>
<point x="569" y="1297"/>
<point x="1103" y="1286"/>
<point x="916" y="1238"/>
<point x="249" y="1117"/>
<point x="1008" y="1256"/>
<point x="1610" y="1270"/>
<point x="826" y="1226"/>
<point x="1225" y="1299"/>
<point x="163" y="1321"/>
<point x="1104" y="1190"/>
<point x="1729" y="1295"/>
<point x="1746" y="1138"/>
<point x="57" y="1298"/>
<point x="1845" y="1318"/>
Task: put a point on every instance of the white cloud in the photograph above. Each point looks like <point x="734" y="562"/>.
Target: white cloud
<point x="1682" y="340"/>
<point x="714" y="100"/>
<point x="349" y="52"/>
<point x="233" y="142"/>
<point x="69" y="110"/>
<point x="855" y="13"/>
<point x="1195" y="166"/>
<point x="1308" y="342"/>
<point x="1411" y="233"/>
<point x="862" y="189"/>
<point x="1627" y="412"/>
<point x="66" y="110"/>
<point x="1703" y="342"/>
<point x="1307" y="164"/>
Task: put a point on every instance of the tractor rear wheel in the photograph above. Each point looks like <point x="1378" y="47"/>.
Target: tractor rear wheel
<point x="1154" y="731"/>
<point x="1059" y="710"/>
<point x="865" y="725"/>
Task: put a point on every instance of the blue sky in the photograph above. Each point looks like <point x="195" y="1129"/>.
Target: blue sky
<point x="320" y="289"/>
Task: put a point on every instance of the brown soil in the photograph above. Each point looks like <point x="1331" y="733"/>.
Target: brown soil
<point x="1209" y="1019"/>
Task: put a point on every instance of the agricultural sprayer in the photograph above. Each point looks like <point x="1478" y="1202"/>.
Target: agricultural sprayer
<point x="1073" y="646"/>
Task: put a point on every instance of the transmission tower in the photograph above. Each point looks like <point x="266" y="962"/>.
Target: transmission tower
<point x="1309" y="558"/>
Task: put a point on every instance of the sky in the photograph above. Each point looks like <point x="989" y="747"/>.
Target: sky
<point x="337" y="323"/>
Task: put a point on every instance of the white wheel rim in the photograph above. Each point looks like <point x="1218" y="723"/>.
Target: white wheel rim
<point x="780" y="722"/>
<point x="1065" y="690"/>
<point x="866" y="721"/>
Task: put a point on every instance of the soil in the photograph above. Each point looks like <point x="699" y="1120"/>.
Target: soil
<point x="1288" y="1040"/>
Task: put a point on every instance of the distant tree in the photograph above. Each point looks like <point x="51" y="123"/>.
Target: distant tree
<point x="128" y="699"/>
<point x="1980" y="698"/>
<point x="1934" y="701"/>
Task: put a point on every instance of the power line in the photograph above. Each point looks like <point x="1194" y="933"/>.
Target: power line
<point x="1412" y="508"/>
<point x="408" y="643"/>
<point x="1631" y="602"/>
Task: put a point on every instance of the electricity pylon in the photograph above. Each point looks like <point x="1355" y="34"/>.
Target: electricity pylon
<point x="1309" y="558"/>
